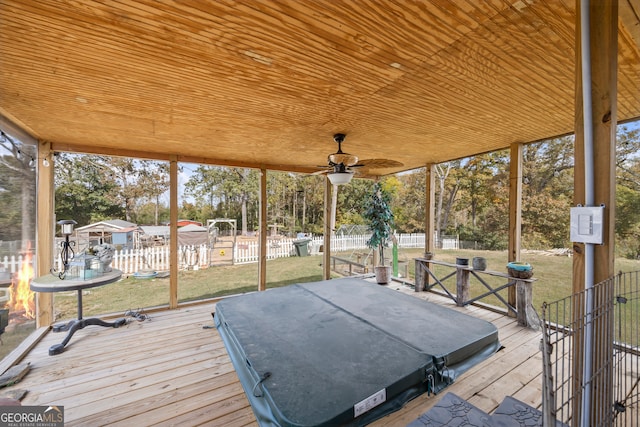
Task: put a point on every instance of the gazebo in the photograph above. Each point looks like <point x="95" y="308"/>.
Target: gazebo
<point x="266" y="84"/>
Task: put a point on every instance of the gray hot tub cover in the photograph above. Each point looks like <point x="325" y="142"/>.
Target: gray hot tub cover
<point x="344" y="351"/>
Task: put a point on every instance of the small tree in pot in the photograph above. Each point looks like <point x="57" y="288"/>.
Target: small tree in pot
<point x="379" y="217"/>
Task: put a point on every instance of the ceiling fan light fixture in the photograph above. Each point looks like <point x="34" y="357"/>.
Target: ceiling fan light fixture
<point x="340" y="157"/>
<point x="344" y="158"/>
<point x="340" y="178"/>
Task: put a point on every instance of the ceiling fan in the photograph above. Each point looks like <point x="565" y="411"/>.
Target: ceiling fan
<point x="341" y="166"/>
<point x="340" y="163"/>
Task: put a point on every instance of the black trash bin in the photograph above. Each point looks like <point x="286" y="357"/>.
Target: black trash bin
<point x="302" y="247"/>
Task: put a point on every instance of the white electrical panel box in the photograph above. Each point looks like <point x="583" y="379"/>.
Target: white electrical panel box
<point x="587" y="224"/>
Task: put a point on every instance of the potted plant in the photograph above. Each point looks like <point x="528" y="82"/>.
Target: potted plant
<point x="379" y="217"/>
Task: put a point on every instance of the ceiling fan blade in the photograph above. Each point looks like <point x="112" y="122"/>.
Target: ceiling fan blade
<point x="321" y="172"/>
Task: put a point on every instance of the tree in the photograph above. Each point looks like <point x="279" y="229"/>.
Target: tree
<point x="547" y="189"/>
<point x="154" y="181"/>
<point x="311" y="188"/>
<point x="351" y="201"/>
<point x="152" y="213"/>
<point x="628" y="192"/>
<point x="311" y="191"/>
<point x="92" y="188"/>
<point x="125" y="172"/>
<point x="222" y="192"/>
<point x="81" y="191"/>
<point x="409" y="202"/>
<point x="445" y="190"/>
<point x="202" y="185"/>
<point x="243" y="187"/>
<point x="480" y="179"/>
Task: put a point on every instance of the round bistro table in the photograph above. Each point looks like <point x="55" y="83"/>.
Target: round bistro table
<point x="51" y="283"/>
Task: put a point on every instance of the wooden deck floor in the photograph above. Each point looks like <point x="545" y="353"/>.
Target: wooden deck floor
<point x="169" y="370"/>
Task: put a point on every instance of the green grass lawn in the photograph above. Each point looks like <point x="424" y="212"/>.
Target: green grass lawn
<point x="552" y="274"/>
<point x="132" y="293"/>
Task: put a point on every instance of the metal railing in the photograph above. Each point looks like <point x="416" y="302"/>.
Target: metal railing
<point x="613" y="382"/>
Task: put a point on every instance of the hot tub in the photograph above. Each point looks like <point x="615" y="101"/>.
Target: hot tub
<point x="344" y="351"/>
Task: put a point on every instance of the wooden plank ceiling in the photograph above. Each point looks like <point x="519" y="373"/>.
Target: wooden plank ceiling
<point x="267" y="83"/>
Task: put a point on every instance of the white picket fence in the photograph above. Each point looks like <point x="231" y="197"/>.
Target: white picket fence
<point x="9" y="265"/>
<point x="248" y="251"/>
<point x="245" y="251"/>
<point x="276" y="248"/>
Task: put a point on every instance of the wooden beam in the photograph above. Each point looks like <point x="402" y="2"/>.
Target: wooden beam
<point x="173" y="232"/>
<point x="10" y="125"/>
<point x="166" y="156"/>
<point x="603" y="29"/>
<point x="515" y="211"/>
<point x="326" y="254"/>
<point x="262" y="259"/>
<point x="430" y="209"/>
<point x="45" y="230"/>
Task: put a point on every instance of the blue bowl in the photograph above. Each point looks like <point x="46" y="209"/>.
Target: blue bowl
<point x="519" y="266"/>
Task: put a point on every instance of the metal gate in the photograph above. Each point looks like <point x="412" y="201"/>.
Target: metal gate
<point x="611" y="387"/>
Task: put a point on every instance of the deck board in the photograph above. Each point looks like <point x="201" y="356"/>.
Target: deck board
<point x="170" y="371"/>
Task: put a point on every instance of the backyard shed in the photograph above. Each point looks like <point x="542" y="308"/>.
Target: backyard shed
<point x="125" y="238"/>
<point x="114" y="231"/>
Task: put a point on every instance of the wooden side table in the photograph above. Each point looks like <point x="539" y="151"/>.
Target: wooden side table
<point x="50" y="283"/>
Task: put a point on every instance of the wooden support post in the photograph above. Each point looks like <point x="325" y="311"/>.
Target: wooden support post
<point x="173" y="232"/>
<point x="430" y="209"/>
<point x="462" y="286"/>
<point x="429" y="223"/>
<point x="603" y="43"/>
<point x="524" y="304"/>
<point x="262" y="257"/>
<point x="515" y="212"/>
<point x="420" y="280"/>
<point x="45" y="230"/>
<point x="326" y="261"/>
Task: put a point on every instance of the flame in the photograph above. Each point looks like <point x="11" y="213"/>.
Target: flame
<point x="21" y="297"/>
